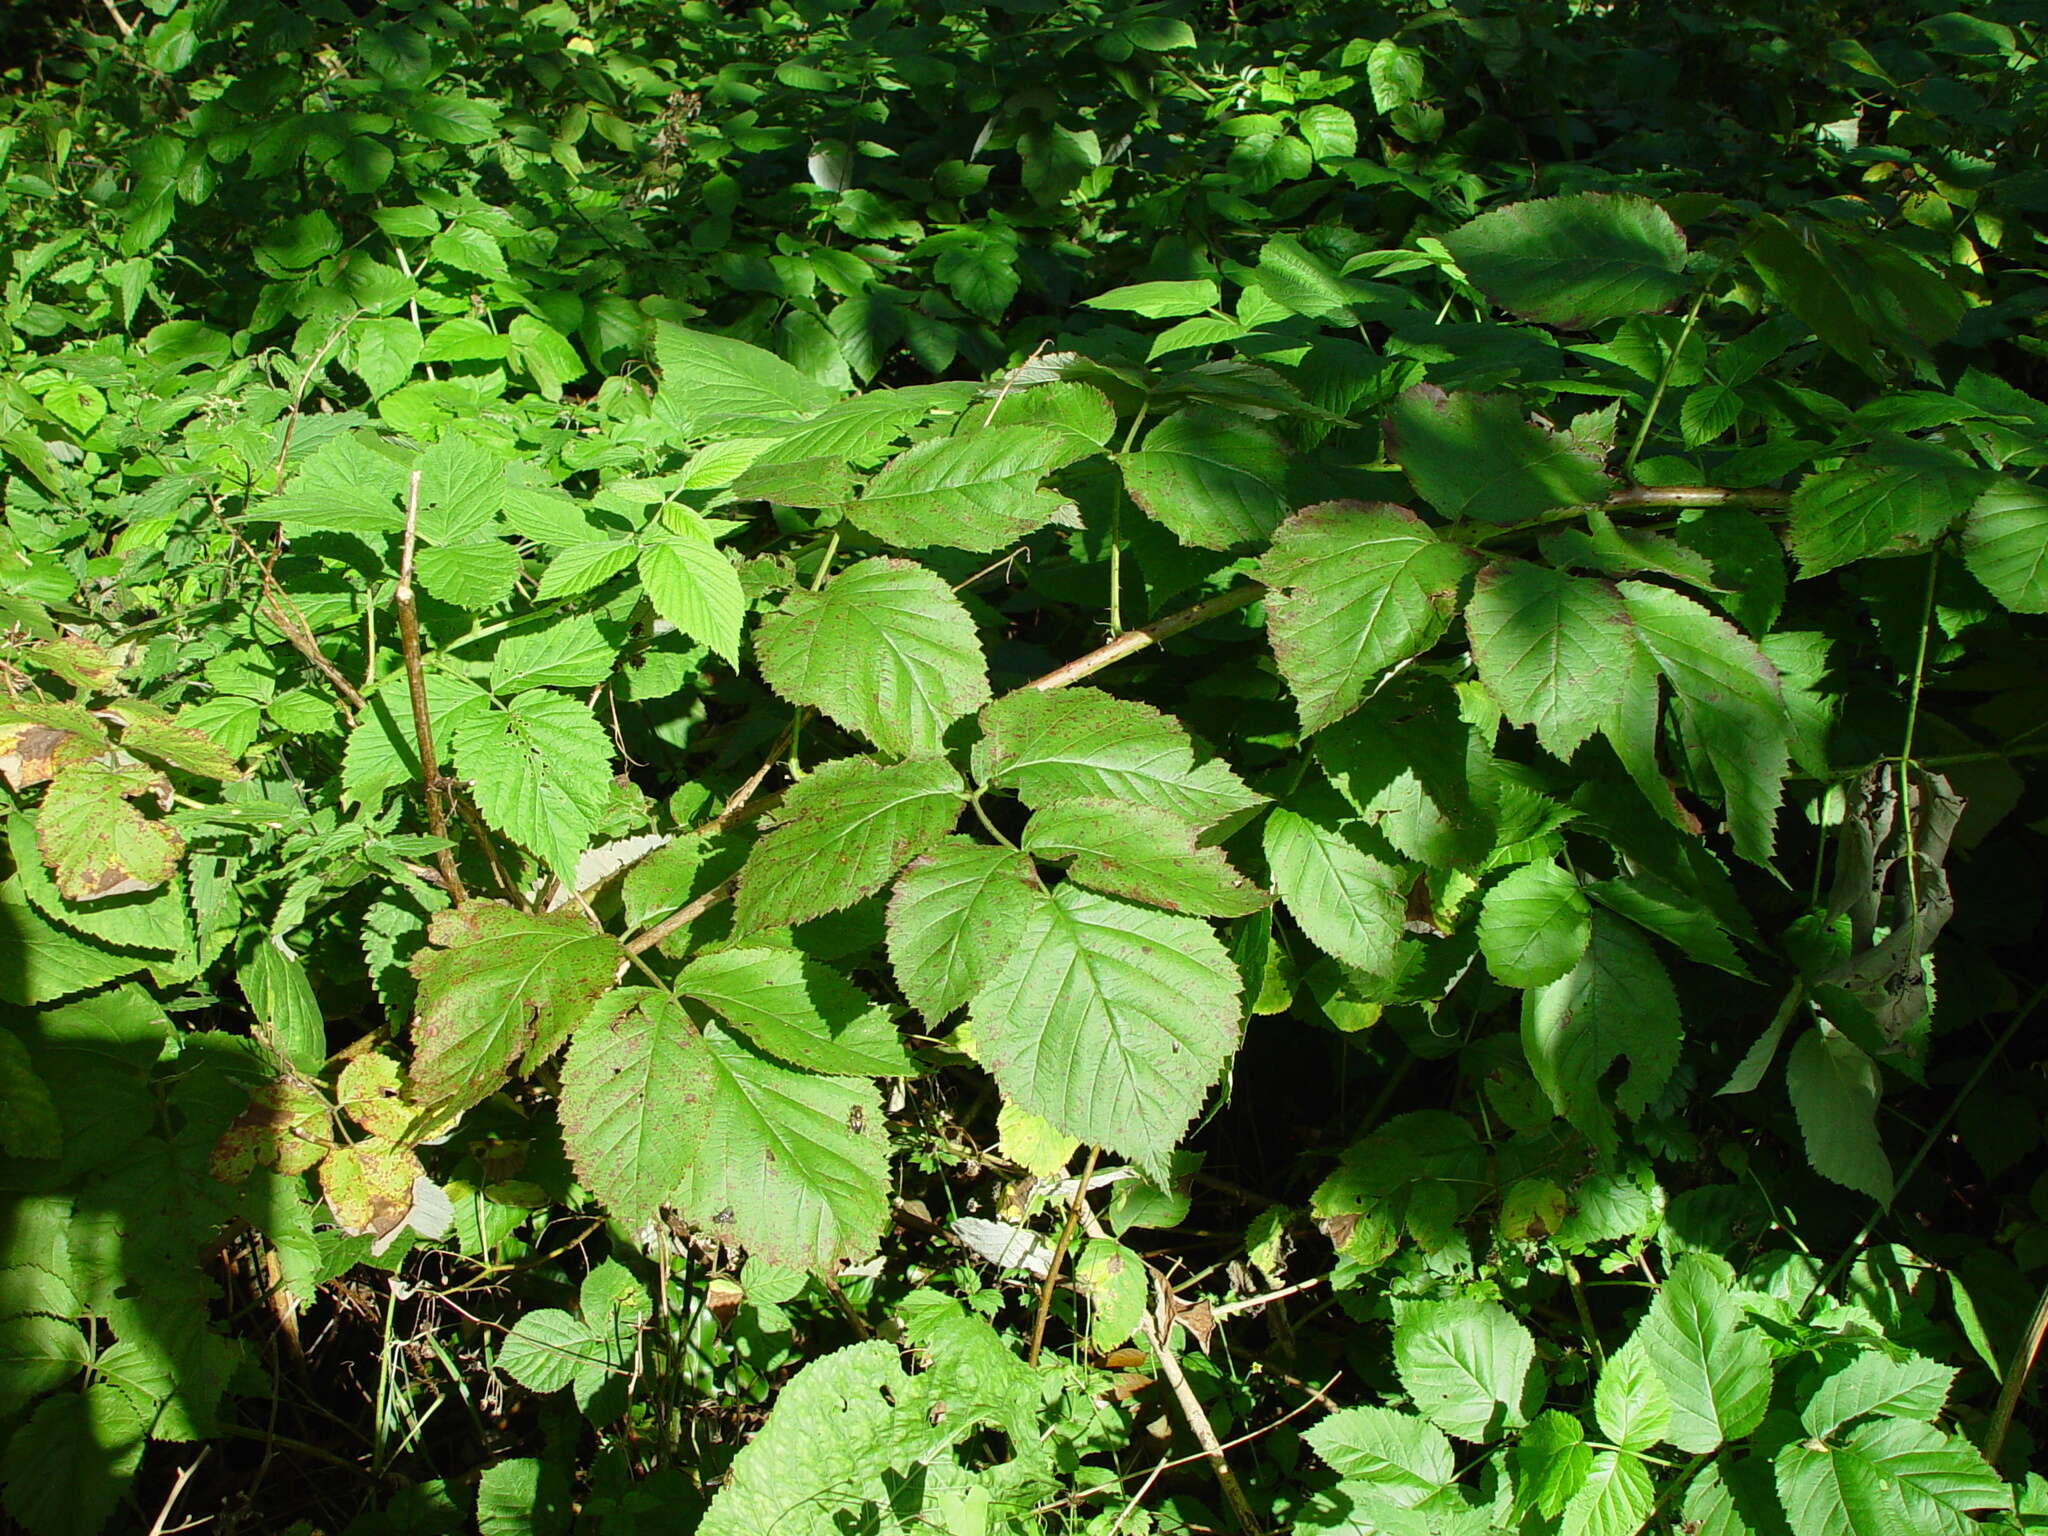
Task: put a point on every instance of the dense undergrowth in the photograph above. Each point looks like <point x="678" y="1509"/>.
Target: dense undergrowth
<point x="1051" y="767"/>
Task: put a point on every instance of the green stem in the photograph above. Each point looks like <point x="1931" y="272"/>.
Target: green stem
<point x="981" y="816"/>
<point x="1905" y="760"/>
<point x="1116" y="523"/>
<point x="1692" y="317"/>
<point x="825" y="565"/>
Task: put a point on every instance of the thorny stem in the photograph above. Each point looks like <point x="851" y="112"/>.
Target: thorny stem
<point x="1059" y="1251"/>
<point x="416" y="685"/>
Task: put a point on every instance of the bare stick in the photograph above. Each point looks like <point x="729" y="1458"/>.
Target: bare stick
<point x="416" y="685"/>
<point x="1157" y="1334"/>
<point x="1059" y="1254"/>
<point x="683" y="918"/>
<point x="1246" y="1303"/>
<point x="2016" y="1375"/>
<point x="1132" y="640"/>
<point x="163" y="1515"/>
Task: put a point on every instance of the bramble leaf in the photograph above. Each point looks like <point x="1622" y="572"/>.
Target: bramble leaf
<point x="1110" y="1021"/>
<point x="1080" y="743"/>
<point x="1716" y="1373"/>
<point x="793" y="1166"/>
<point x="1404" y="1457"/>
<point x="1216" y="480"/>
<point x="709" y="379"/>
<point x="1893" y="501"/>
<point x="96" y="843"/>
<point x="692" y="584"/>
<point x="1469" y="1366"/>
<point x="1834" y="1088"/>
<point x="846" y="828"/>
<point x="1141" y="853"/>
<point x="952" y="918"/>
<point x="798" y="1011"/>
<point x="2005" y="544"/>
<point x="1617" y="1001"/>
<point x="501" y="989"/>
<point x="637" y="1086"/>
<point x="1574" y="261"/>
<point x="885" y="649"/>
<point x="1552" y="649"/>
<point x="1478" y="456"/>
<point x="977" y="492"/>
<point x="1534" y="925"/>
<point x="540" y="769"/>
<point x="1888" y="1475"/>
<point x="1355" y="588"/>
<point x="1349" y="902"/>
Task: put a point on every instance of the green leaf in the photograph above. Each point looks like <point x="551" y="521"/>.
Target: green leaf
<point x="383" y="747"/>
<point x="977" y="492"/>
<point x="462" y="490"/>
<point x="707" y="379"/>
<point x="1351" y="904"/>
<point x="1478" y="456"/>
<point x="1302" y="283"/>
<point x="449" y="119"/>
<point x="794" y="1167"/>
<point x="1731" y="706"/>
<point x="846" y="828"/>
<point x="1112" y="1278"/>
<point x="547" y="1349"/>
<point x="1110" y="1021"/>
<point x="1574" y="261"/>
<point x="297" y="243"/>
<point x="281" y="996"/>
<point x="1330" y="131"/>
<point x="540" y="769"/>
<point x="67" y="1468"/>
<point x="570" y="652"/>
<point x="524" y="1496"/>
<point x="886" y="649"/>
<point x="40" y="963"/>
<point x="1550" y="1463"/>
<point x="1894" y="501"/>
<point x="501" y="990"/>
<point x="29" y="1124"/>
<point x="344" y="486"/>
<point x="469" y="249"/>
<point x="383" y="352"/>
<point x="1615" y="1499"/>
<point x="1143" y="854"/>
<point x="159" y="920"/>
<point x="98" y="845"/>
<point x="1081" y="743"/>
<point x="1834" y="1089"/>
<point x="798" y="1011"/>
<point x="693" y="585"/>
<point x="37" y="1354"/>
<point x="1805" y="283"/>
<point x="476" y="577"/>
<point x="1616" y="1002"/>
<point x="1552" y="649"/>
<point x="1216" y="480"/>
<point x="1161" y="300"/>
<point x="1534" y="925"/>
<point x="2005" y="544"/>
<point x="951" y="921"/>
<point x="1394" y="74"/>
<point x="1404" y="1457"/>
<point x="1356" y="588"/>
<point x="637" y="1087"/>
<point x="1469" y="1366"/>
<point x="579" y="567"/>
<point x="823" y="1462"/>
<point x="1890" y="1475"/>
<point x="1874" y="1383"/>
<point x="1717" y="1373"/>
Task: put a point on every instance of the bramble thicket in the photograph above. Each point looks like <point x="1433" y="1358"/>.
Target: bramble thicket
<point x="1042" y="767"/>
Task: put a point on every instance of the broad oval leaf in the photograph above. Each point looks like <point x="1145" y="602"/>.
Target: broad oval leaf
<point x="1717" y="1374"/>
<point x="707" y="379"/>
<point x="1552" y="649"/>
<point x="1617" y="1001"/>
<point x="979" y="491"/>
<point x="636" y="1099"/>
<point x="1834" y="1088"/>
<point x="1469" y="1365"/>
<point x="2005" y="544"/>
<point x="1534" y="925"/>
<point x="1141" y="853"/>
<point x="1213" y="478"/>
<point x="1355" y="588"/>
<point x="1111" y="1021"/>
<point x="793" y="1166"/>
<point x="1479" y="456"/>
<point x="540" y="770"/>
<point x="1574" y="261"/>
<point x="798" y="1011"/>
<point x="501" y="989"/>
<point x="885" y="649"/>
<point x="1081" y="743"/>
<point x="952" y="919"/>
<point x="1350" y="903"/>
<point x="847" y="827"/>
